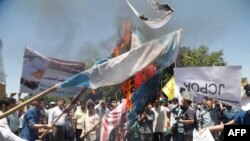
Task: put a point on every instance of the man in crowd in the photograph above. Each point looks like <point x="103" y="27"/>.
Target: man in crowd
<point x="79" y="117"/>
<point x="186" y="121"/>
<point x="13" y="118"/>
<point x="242" y="118"/>
<point x="5" y="132"/>
<point x="91" y="123"/>
<point x="209" y="116"/>
<point x="31" y="122"/>
<point x="101" y="108"/>
<point x="59" y="128"/>
<point x="159" y="122"/>
<point x="175" y="110"/>
<point x="146" y="119"/>
<point x="228" y="111"/>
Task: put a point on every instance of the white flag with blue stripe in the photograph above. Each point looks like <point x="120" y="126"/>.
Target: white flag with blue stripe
<point x="162" y="51"/>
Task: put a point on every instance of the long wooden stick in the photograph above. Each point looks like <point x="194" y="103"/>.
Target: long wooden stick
<point x="92" y="129"/>
<point x="68" y="107"/>
<point x="38" y="96"/>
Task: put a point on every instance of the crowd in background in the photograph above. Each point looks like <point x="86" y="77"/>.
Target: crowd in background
<point x="162" y="120"/>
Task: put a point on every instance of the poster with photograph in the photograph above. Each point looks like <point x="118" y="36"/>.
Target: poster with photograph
<point x="40" y="73"/>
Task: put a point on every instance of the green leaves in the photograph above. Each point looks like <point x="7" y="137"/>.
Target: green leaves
<point x="198" y="57"/>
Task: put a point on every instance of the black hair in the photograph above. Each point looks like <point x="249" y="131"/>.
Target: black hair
<point x="12" y="100"/>
<point x="175" y="99"/>
<point x="182" y="90"/>
<point x="90" y="104"/>
<point x="206" y="98"/>
<point x="2" y="101"/>
<point x="5" y="102"/>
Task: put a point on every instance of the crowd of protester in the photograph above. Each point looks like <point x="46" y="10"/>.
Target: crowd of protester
<point x="162" y="120"/>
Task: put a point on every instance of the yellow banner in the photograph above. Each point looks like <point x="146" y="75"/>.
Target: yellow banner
<point x="168" y="89"/>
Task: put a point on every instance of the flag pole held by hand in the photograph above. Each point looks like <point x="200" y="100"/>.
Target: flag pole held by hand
<point x="92" y="129"/>
<point x="69" y="107"/>
<point x="38" y="96"/>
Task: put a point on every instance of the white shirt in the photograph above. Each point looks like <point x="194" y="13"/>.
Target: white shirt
<point x="4" y="122"/>
<point x="5" y="132"/>
<point x="21" y="121"/>
<point x="89" y="123"/>
<point x="54" y="113"/>
<point x="160" y="119"/>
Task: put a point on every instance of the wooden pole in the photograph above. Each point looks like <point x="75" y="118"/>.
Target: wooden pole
<point x="68" y="107"/>
<point x="92" y="129"/>
<point x="38" y="96"/>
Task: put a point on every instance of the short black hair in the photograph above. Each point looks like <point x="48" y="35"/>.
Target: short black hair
<point x="12" y="100"/>
<point x="175" y="99"/>
<point x="90" y="104"/>
<point x="5" y="102"/>
<point x="2" y="101"/>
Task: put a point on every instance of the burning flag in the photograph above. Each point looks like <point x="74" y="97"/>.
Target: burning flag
<point x="120" y="68"/>
<point x="124" y="44"/>
<point x="127" y="89"/>
<point x="158" y="22"/>
<point x="148" y="90"/>
<point x="143" y="95"/>
<point x="137" y="39"/>
<point x="112" y="120"/>
<point x="144" y="75"/>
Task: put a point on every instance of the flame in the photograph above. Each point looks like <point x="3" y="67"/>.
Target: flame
<point x="127" y="34"/>
<point x="123" y="46"/>
<point x="117" y="51"/>
<point x="126" y="88"/>
<point x="125" y="43"/>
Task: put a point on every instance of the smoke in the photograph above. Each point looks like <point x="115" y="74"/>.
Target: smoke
<point x="69" y="28"/>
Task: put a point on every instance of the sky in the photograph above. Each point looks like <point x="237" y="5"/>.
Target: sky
<point x="74" y="30"/>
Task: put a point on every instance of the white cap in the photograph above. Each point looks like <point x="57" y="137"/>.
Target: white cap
<point x="52" y="102"/>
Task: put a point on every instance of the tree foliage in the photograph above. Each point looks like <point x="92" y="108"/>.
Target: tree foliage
<point x="195" y="57"/>
<point x="198" y="57"/>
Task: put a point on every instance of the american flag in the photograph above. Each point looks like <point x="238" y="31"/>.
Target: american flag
<point x="114" y="119"/>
